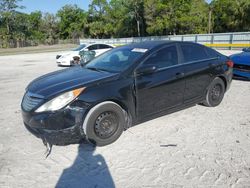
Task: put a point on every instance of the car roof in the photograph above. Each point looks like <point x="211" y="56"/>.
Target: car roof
<point x="89" y="44"/>
<point x="157" y="43"/>
<point x="149" y="44"/>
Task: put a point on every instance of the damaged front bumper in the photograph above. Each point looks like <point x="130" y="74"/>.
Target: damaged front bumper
<point x="72" y="135"/>
<point x="56" y="128"/>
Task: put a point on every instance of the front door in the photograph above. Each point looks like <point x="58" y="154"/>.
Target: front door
<point x="162" y="89"/>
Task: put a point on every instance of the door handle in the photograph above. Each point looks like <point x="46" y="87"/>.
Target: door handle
<point x="179" y="74"/>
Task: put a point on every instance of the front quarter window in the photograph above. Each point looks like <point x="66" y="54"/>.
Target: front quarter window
<point x="116" y="60"/>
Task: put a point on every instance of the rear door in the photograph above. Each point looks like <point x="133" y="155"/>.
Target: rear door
<point x="164" y="88"/>
<point x="198" y="68"/>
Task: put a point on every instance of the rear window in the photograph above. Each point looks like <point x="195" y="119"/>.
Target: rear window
<point x="104" y="46"/>
<point x="192" y="52"/>
<point x="93" y="47"/>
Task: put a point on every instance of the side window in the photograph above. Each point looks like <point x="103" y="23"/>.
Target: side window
<point x="165" y="57"/>
<point x="104" y="46"/>
<point x="211" y="53"/>
<point x="192" y="52"/>
<point x="93" y="47"/>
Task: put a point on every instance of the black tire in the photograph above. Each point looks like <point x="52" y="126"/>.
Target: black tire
<point x="104" y="123"/>
<point x="215" y="93"/>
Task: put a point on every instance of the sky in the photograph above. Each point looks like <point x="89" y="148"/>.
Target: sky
<point x="52" y="6"/>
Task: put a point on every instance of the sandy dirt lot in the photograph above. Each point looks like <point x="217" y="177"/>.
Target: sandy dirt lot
<point x="196" y="147"/>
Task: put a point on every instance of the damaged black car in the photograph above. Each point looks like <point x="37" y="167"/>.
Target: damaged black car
<point x="121" y="88"/>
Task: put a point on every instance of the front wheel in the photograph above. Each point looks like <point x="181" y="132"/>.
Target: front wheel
<point x="215" y="93"/>
<point x="104" y="123"/>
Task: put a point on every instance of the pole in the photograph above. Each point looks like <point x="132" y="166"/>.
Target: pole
<point x="209" y="20"/>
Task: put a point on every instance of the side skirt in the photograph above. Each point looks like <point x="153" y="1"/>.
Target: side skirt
<point x="165" y="112"/>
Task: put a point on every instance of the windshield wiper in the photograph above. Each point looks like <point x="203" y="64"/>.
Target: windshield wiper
<point x="93" y="68"/>
<point x="97" y="69"/>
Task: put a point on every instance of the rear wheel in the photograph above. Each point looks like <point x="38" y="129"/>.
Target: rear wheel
<point x="104" y="123"/>
<point x="215" y="93"/>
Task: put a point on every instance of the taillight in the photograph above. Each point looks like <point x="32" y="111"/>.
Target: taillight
<point x="230" y="63"/>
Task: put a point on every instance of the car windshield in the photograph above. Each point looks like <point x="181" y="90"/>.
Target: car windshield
<point x="116" y="60"/>
<point x="79" y="47"/>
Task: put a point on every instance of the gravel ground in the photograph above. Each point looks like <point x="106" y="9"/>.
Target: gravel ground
<point x="196" y="147"/>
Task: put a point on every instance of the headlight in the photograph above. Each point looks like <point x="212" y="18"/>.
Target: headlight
<point x="60" y="101"/>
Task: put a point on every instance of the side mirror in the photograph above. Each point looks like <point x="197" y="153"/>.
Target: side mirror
<point x="86" y="56"/>
<point x="146" y="69"/>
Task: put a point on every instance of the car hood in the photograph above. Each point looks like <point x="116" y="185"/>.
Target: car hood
<point x="69" y="53"/>
<point x="61" y="81"/>
<point x="242" y="58"/>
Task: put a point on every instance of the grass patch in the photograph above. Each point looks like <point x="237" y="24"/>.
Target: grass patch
<point x="36" y="49"/>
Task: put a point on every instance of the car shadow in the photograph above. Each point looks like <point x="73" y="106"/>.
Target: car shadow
<point x="88" y="170"/>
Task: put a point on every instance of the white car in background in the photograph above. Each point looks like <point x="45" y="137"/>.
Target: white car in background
<point x="66" y="58"/>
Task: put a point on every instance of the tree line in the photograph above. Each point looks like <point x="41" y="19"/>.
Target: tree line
<point x="122" y="18"/>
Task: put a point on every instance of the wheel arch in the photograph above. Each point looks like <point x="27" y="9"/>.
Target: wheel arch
<point x="122" y="105"/>
<point x="126" y="109"/>
<point x="224" y="80"/>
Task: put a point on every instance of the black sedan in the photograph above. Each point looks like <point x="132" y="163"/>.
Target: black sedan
<point x="121" y="88"/>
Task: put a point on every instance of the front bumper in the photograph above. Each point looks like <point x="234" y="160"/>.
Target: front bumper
<point x="59" y="128"/>
<point x="63" y="62"/>
<point x="72" y="135"/>
<point x="241" y="74"/>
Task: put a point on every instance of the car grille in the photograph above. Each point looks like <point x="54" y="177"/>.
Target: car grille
<point x="243" y="68"/>
<point x="30" y="102"/>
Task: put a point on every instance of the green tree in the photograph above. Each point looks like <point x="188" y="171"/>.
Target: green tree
<point x="196" y="18"/>
<point x="97" y="19"/>
<point x="35" y="22"/>
<point x="72" y="22"/>
<point x="135" y="9"/>
<point x="176" y="16"/>
<point x="231" y="15"/>
<point x="118" y="20"/>
<point x="7" y="17"/>
<point x="156" y="17"/>
<point x="19" y="32"/>
<point x="7" y="9"/>
<point x="50" y="28"/>
<point x="121" y="18"/>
